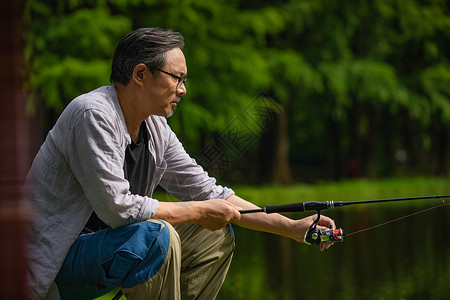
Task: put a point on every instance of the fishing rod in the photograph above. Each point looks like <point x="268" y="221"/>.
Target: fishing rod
<point x="316" y="236"/>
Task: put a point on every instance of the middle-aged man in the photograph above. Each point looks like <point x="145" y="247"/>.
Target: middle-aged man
<point x="96" y="173"/>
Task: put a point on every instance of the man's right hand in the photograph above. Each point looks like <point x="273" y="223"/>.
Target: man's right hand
<point x="216" y="213"/>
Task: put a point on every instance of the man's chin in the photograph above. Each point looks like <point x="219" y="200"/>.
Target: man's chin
<point x="168" y="115"/>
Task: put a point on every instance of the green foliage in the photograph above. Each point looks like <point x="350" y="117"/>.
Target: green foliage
<point x="69" y="48"/>
<point x="435" y="82"/>
<point x="345" y="71"/>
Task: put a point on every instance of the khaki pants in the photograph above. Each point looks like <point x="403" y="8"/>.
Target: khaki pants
<point x="195" y="266"/>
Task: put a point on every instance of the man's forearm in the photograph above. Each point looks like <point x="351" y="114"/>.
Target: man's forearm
<point x="212" y="214"/>
<point x="177" y="212"/>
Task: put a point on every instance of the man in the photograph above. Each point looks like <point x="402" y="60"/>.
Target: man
<point x="106" y="154"/>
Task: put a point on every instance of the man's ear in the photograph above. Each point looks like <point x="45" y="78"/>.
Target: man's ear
<point x="138" y="74"/>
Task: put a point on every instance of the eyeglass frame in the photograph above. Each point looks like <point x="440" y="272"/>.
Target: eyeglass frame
<point x="181" y="79"/>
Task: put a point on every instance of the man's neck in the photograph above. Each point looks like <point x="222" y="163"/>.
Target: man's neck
<point x="133" y="119"/>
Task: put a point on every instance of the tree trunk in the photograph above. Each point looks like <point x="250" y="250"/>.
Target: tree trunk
<point x="442" y="157"/>
<point x="353" y="158"/>
<point x="281" y="173"/>
<point x="334" y="129"/>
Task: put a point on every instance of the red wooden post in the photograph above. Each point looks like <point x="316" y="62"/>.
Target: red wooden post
<point x="14" y="151"/>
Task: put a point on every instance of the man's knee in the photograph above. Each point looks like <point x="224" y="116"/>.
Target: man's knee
<point x="229" y="236"/>
<point x="225" y="239"/>
<point x="165" y="283"/>
<point x="171" y="235"/>
<point x="206" y="257"/>
<point x="141" y="253"/>
<point x="197" y="241"/>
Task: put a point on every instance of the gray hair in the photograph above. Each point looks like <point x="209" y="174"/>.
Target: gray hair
<point x="144" y="45"/>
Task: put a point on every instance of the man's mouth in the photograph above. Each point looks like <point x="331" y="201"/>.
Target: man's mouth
<point x="174" y="102"/>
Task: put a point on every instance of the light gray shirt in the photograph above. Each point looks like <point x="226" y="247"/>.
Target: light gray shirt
<point x="79" y="168"/>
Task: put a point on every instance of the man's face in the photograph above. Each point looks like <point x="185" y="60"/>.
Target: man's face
<point x="164" y="92"/>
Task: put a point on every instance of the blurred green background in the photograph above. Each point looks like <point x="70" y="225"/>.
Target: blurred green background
<point x="290" y="101"/>
<point x="362" y="86"/>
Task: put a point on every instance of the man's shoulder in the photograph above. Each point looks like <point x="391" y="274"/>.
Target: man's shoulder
<point x="102" y="98"/>
<point x="100" y="101"/>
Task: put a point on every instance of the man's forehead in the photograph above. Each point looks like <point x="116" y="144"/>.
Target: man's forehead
<point x="175" y="59"/>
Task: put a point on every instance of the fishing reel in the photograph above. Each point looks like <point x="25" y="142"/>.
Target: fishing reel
<point x="317" y="236"/>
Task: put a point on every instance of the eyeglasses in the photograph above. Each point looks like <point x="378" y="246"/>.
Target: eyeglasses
<point x="181" y="80"/>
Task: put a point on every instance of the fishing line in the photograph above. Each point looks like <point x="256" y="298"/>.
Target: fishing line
<point x="398" y="219"/>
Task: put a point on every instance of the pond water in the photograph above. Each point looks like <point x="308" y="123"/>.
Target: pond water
<point x="407" y="259"/>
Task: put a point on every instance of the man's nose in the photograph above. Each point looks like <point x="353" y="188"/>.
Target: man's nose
<point x="181" y="90"/>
